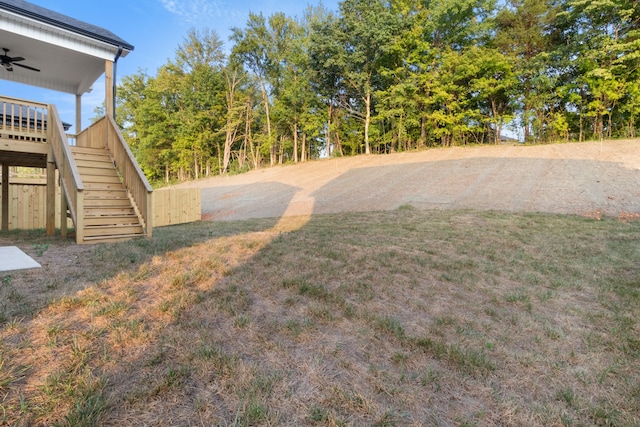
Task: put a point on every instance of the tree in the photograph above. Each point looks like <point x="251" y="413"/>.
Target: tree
<point x="325" y="66"/>
<point x="353" y="51"/>
<point x="198" y="69"/>
<point x="523" y="28"/>
<point x="597" y="44"/>
<point x="262" y="47"/>
<point x="386" y="75"/>
<point x="155" y="126"/>
<point x="236" y="104"/>
<point x="425" y="90"/>
<point x="456" y="24"/>
<point x="171" y="119"/>
<point x="492" y="85"/>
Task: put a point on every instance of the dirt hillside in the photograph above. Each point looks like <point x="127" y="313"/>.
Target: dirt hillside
<point x="590" y="178"/>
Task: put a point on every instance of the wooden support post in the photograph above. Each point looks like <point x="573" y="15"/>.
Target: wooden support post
<point x="79" y="217"/>
<point x="108" y="89"/>
<point x="63" y="213"/>
<point x="5" y="196"/>
<point x="51" y="196"/>
<point x="78" y="114"/>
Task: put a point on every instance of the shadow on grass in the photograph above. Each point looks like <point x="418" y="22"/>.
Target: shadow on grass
<point x="382" y="318"/>
<point x="68" y="268"/>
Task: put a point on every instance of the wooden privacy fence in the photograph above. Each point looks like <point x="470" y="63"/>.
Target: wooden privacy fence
<point x="27" y="206"/>
<point x="173" y="206"/>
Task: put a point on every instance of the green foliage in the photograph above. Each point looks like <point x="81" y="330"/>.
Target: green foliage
<point x="381" y="76"/>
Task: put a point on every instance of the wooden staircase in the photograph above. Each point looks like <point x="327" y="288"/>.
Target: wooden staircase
<point x="108" y="214"/>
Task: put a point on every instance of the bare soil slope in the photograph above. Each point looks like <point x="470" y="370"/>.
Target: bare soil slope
<point x="590" y="178"/>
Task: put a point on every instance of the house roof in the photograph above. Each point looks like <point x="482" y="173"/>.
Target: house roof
<point x="42" y="14"/>
<point x="69" y="53"/>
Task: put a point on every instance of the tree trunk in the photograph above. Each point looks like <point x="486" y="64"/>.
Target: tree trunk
<point x="498" y="128"/>
<point x="304" y="147"/>
<point x="329" y="130"/>
<point x="230" y="136"/>
<point x="610" y="122"/>
<point x="242" y="155"/>
<point x="581" y="136"/>
<point x="525" y="122"/>
<point x="339" y="144"/>
<point x="367" y="122"/>
<point x="247" y="136"/>
<point x="195" y="164"/>
<point x="232" y="82"/>
<point x="265" y="97"/>
<point x="295" y="142"/>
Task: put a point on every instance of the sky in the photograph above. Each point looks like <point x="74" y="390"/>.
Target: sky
<point x="155" y="28"/>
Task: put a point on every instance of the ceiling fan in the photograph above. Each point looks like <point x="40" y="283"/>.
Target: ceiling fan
<point x="8" y="62"/>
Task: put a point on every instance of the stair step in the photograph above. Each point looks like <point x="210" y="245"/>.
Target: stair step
<point x="96" y="168"/>
<point x="108" y="213"/>
<point x="94" y="164"/>
<point x="102" y="211"/>
<point x="106" y="195"/>
<point x="86" y="150"/>
<point x="106" y="198"/>
<point x="111" y="230"/>
<point x="87" y="170"/>
<point x="93" y="154"/>
<point x="106" y="203"/>
<point x="102" y="185"/>
<point x="112" y="220"/>
<point x="98" y="179"/>
<point x="99" y="194"/>
<point x="111" y="239"/>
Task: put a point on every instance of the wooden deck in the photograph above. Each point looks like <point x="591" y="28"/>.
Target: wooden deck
<point x="23" y="133"/>
<point x="105" y="202"/>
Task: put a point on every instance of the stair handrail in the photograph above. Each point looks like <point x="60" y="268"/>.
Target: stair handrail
<point x="70" y="179"/>
<point x="134" y="179"/>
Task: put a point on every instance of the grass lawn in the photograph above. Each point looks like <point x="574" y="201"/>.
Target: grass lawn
<point x="367" y="319"/>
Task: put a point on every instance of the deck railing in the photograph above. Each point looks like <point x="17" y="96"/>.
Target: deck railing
<point x="23" y="120"/>
<point x="69" y="176"/>
<point x="105" y="132"/>
<point x="133" y="177"/>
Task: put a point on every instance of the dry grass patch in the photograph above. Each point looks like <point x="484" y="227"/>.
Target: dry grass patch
<point x="393" y="318"/>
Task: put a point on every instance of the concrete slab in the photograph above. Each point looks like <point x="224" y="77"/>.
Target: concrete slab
<point x="12" y="258"/>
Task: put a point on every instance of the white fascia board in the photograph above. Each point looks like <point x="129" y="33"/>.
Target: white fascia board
<point x="37" y="30"/>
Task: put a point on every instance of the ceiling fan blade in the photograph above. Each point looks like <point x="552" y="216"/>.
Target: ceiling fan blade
<point x="16" y="59"/>
<point x="27" y="67"/>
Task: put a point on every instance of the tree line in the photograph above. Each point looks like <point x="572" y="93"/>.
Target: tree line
<point x="386" y="75"/>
